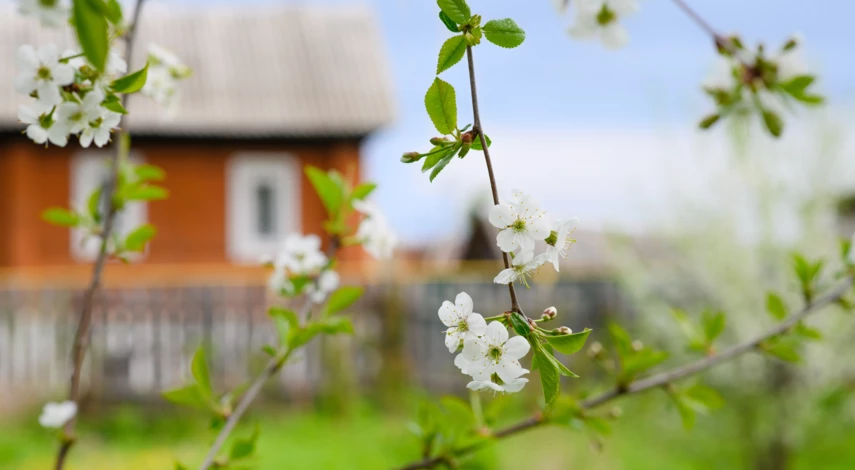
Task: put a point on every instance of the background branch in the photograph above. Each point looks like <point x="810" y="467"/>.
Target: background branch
<point x="81" y="336"/>
<point x="271" y="369"/>
<point x="659" y="380"/>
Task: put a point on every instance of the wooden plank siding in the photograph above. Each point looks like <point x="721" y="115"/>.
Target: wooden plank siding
<point x="191" y="223"/>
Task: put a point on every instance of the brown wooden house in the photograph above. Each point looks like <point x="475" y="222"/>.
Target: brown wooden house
<point x="273" y="89"/>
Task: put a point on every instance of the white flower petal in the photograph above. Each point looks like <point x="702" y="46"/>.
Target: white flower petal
<point x="507" y="240"/>
<point x="516" y="348"/>
<point x="613" y="35"/>
<point x="515" y="385"/>
<point x="477" y="324"/>
<point x="27" y="58"/>
<point x="506" y="276"/>
<point x="502" y="215"/>
<point x="453" y="339"/>
<point x="496" y="333"/>
<point x="462" y="363"/>
<point x="464" y="304"/>
<point x="508" y="370"/>
<point x="448" y="314"/>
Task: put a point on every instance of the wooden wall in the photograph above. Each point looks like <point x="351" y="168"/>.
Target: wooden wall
<point x="191" y="223"/>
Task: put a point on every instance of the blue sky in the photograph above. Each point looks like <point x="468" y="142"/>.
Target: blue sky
<point x="587" y="130"/>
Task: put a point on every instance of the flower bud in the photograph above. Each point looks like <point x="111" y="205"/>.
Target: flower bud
<point x="411" y="157"/>
<point x="565" y="331"/>
<point x="467" y="137"/>
<point x="438" y="140"/>
<point x="552" y="239"/>
<point x="637" y="345"/>
<point x="549" y="313"/>
<point x="595" y="349"/>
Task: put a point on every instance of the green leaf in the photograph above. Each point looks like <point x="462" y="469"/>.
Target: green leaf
<point x="704" y="396"/>
<point x="335" y="325"/>
<point x="113" y="103"/>
<point x="451" y="52"/>
<point x="113" y="12"/>
<point x="132" y="82"/>
<point x="244" y="447"/>
<point x="441" y="154"/>
<point x="328" y="189"/>
<point x="439" y="167"/>
<point x="640" y="361"/>
<point x="798" y="84"/>
<point x="363" y="190"/>
<point x="144" y="192"/>
<point x="569" y="344"/>
<point x="456" y="10"/>
<point x="342" y="298"/>
<point x="476" y="144"/>
<point x="189" y="395"/>
<point x="713" y="325"/>
<point x="286" y="321"/>
<point x="687" y="412"/>
<point x="783" y="348"/>
<point x="92" y="32"/>
<point x="93" y="205"/>
<point x="199" y="369"/>
<point x="504" y="33"/>
<point x="136" y="240"/>
<point x="709" y="121"/>
<point x="448" y="22"/>
<point x="807" y="332"/>
<point x="180" y="466"/>
<point x="520" y="325"/>
<point x="61" y="217"/>
<point x="441" y="106"/>
<point x="597" y="425"/>
<point x="146" y="172"/>
<point x="621" y="339"/>
<point x="549" y="375"/>
<point x="773" y="122"/>
<point x="775" y="306"/>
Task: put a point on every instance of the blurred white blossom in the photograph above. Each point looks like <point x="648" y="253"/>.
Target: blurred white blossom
<point x="558" y="248"/>
<point x="51" y="13"/>
<point x="41" y="72"/>
<point x="55" y="415"/>
<point x="165" y="71"/>
<point x="374" y="231"/>
<point x="327" y="282"/>
<point x="601" y="19"/>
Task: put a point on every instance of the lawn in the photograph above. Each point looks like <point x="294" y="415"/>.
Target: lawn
<point x="647" y="437"/>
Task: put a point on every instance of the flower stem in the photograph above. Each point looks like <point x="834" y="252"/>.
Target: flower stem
<point x="81" y="336"/>
<point x="477" y="411"/>
<point x="476" y="126"/>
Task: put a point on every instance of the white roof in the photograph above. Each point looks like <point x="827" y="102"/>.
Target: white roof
<point x="264" y="71"/>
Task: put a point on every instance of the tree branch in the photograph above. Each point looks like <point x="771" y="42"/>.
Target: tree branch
<point x="479" y="130"/>
<point x="658" y="380"/>
<point x="81" y="336"/>
<point x="270" y="370"/>
<point x="719" y="39"/>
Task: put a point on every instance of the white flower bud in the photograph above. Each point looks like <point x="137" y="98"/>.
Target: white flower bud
<point x="637" y="345"/>
<point x="565" y="331"/>
<point x="549" y="313"/>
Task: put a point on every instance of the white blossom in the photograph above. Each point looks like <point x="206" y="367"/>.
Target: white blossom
<point x="791" y="62"/>
<point x="494" y="353"/>
<point x="40" y="127"/>
<point x="99" y="129"/>
<point x="562" y="241"/>
<point x="51" y="13"/>
<point x="301" y="255"/>
<point x="164" y="73"/>
<point x="327" y="282"/>
<point x="55" y="415"/>
<point x="521" y="221"/>
<point x="77" y="114"/>
<point x="462" y="323"/>
<point x="374" y="231"/>
<point x="523" y="265"/>
<point x="42" y="72"/>
<point x="601" y="19"/>
<point x="512" y="386"/>
<point x="279" y="281"/>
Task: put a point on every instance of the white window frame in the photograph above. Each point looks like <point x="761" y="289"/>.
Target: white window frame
<point x="244" y="171"/>
<point x="88" y="171"/>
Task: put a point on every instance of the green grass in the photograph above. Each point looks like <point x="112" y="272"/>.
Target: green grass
<point x="648" y="437"/>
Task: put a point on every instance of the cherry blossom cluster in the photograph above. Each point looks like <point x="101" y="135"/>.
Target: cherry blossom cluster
<point x="374" y="232"/>
<point x="521" y="224"/>
<point x="55" y="415"/>
<point x="165" y="71"/>
<point x="69" y="96"/>
<point x="301" y="267"/>
<point x="487" y="354"/>
<point x="600" y="19"/>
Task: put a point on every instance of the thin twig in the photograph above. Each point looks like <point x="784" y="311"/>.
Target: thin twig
<point x="479" y="130"/>
<point x="81" y="337"/>
<point x="659" y="380"/>
<point x="270" y="370"/>
<point x="720" y="40"/>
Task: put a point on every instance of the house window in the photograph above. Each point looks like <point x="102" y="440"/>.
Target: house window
<point x="262" y="203"/>
<point x="89" y="171"/>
